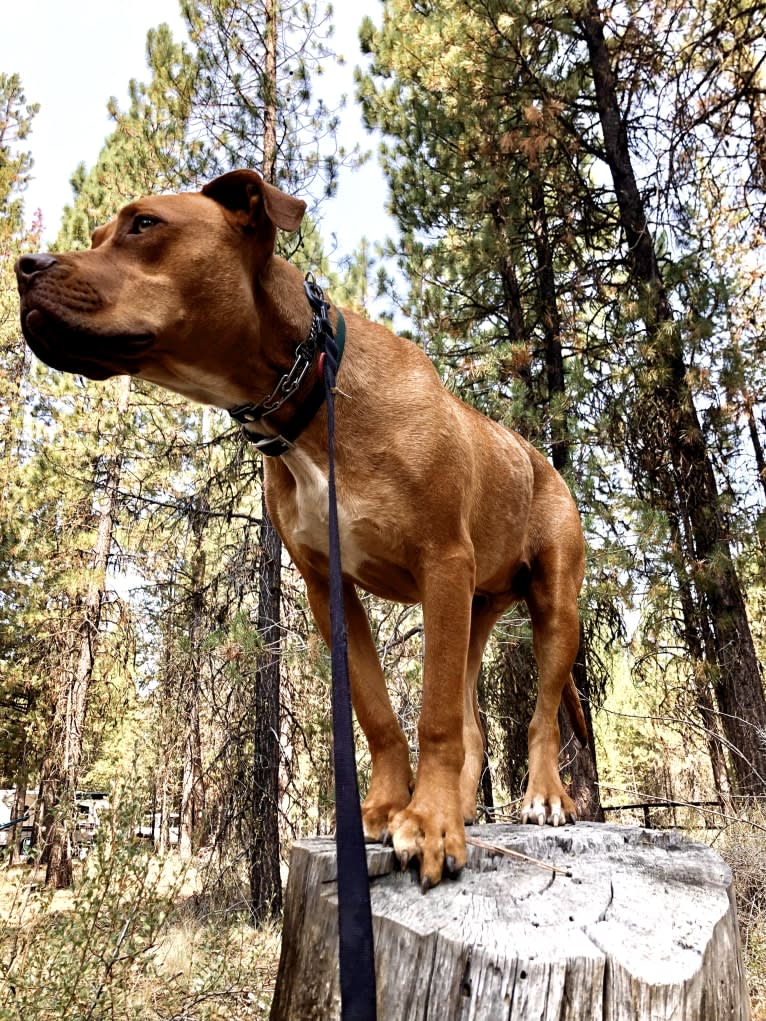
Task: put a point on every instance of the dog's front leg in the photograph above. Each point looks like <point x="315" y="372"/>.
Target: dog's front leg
<point x="391" y="780"/>
<point x="431" y="827"/>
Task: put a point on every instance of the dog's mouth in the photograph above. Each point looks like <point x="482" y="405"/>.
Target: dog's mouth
<point x="82" y="351"/>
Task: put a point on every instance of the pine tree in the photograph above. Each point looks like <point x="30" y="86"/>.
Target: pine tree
<point x="490" y="149"/>
<point x="19" y="692"/>
<point x="16" y="117"/>
<point x="135" y="156"/>
<point x="671" y="453"/>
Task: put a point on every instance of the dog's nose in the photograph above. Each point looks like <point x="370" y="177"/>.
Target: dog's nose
<point x="29" y="265"/>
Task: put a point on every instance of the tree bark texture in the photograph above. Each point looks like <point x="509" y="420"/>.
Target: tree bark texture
<point x="192" y="783"/>
<point x="264" y="849"/>
<point x="270" y="90"/>
<point x="644" y="929"/>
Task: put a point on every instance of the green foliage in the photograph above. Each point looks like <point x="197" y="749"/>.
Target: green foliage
<point x="256" y="93"/>
<point x="494" y="152"/>
<point x="127" y="942"/>
<point x="16" y="116"/>
<point x="18" y="687"/>
<point x="80" y="963"/>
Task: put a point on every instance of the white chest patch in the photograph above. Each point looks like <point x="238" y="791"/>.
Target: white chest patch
<point x="310" y="527"/>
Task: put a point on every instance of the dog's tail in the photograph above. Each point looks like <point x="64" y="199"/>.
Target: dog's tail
<point x="571" y="700"/>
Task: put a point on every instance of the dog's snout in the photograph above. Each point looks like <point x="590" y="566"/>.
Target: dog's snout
<point x="29" y="265"/>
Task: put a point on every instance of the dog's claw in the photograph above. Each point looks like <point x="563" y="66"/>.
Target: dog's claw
<point x="559" y="811"/>
<point x="425" y="884"/>
<point x="451" y="866"/>
<point x="404" y="860"/>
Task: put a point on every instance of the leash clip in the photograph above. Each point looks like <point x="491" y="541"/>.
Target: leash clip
<point x="315" y="296"/>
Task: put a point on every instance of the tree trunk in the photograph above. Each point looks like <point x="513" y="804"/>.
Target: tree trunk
<point x="72" y="696"/>
<point x="487" y="793"/>
<point x="162" y="839"/>
<point x="638" y="925"/>
<point x="264" y="850"/>
<point x="672" y="453"/>
<point x="270" y="91"/>
<point x="755" y="439"/>
<point x="752" y="84"/>
<point x="19" y="804"/>
<point x="192" y="789"/>
<point x="192" y="785"/>
<point x="551" y="322"/>
<point x="264" y="853"/>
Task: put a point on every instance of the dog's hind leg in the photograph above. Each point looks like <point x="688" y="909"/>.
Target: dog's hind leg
<point x="552" y="602"/>
<point x="484" y="616"/>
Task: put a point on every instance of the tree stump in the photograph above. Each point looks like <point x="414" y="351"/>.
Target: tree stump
<point x="644" y="929"/>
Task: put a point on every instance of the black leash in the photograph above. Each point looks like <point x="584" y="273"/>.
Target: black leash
<point x="355" y="942"/>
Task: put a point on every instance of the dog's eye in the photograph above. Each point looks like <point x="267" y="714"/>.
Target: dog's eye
<point x="142" y="223"/>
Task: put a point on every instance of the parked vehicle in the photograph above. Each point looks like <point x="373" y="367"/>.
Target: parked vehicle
<point x="92" y="806"/>
<point x="22" y="821"/>
<point x="149" y="828"/>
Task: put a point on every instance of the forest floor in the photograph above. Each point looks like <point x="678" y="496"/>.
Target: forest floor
<point x="111" y="948"/>
<point x="744" y="849"/>
<point x="143" y="941"/>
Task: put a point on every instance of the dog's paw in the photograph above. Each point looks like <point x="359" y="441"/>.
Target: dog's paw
<point x="555" y="810"/>
<point x="379" y="812"/>
<point x="389" y="792"/>
<point x="436" y="838"/>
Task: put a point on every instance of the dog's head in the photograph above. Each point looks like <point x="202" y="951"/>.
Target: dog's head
<point x="150" y="296"/>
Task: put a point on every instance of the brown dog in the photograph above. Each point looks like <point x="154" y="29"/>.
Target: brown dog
<point x="437" y="504"/>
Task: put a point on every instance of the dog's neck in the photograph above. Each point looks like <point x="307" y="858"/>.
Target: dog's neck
<point x="284" y="321"/>
<point x="281" y="314"/>
<point x="283" y="311"/>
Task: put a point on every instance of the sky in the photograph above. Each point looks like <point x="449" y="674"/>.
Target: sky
<point x="73" y="55"/>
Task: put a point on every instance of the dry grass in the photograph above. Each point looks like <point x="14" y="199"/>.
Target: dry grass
<point x="136" y="940"/>
<point x="745" y="851"/>
<point x="239" y="965"/>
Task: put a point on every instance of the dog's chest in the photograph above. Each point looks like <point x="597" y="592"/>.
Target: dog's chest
<point x="309" y="520"/>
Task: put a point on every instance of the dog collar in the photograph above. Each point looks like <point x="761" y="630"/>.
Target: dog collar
<point x="306" y="354"/>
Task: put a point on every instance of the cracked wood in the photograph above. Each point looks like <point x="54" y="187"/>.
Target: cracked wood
<point x="644" y="929"/>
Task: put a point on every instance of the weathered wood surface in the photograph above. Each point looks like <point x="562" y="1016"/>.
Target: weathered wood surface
<point x="645" y="930"/>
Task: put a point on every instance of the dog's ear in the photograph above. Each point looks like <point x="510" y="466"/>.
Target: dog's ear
<point x="250" y="198"/>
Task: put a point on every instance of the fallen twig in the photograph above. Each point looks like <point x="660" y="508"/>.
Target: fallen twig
<point x="508" y="853"/>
